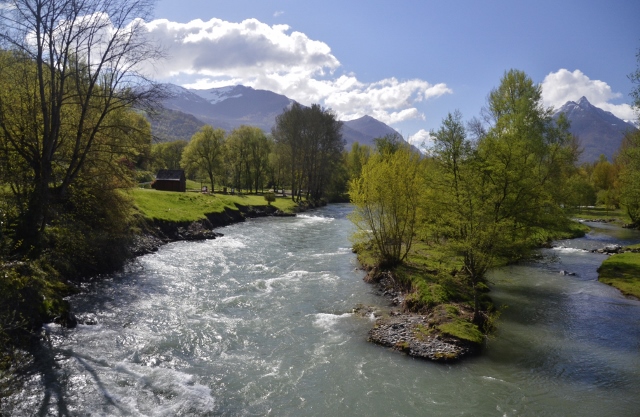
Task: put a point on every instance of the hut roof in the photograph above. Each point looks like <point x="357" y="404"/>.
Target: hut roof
<point x="170" y="174"/>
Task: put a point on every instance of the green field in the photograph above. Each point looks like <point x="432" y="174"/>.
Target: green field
<point x="623" y="272"/>
<point x="192" y="206"/>
<point x="618" y="216"/>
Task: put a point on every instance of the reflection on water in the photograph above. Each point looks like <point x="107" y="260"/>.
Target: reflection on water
<point x="259" y="323"/>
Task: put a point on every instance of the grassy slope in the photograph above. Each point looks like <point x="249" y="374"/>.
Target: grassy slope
<point x="174" y="206"/>
<point x="623" y="272"/>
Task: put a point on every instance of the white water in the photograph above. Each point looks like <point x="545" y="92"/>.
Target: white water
<point x="259" y="323"/>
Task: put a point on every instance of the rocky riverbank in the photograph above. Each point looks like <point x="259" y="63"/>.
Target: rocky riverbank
<point x="417" y="335"/>
<point x="414" y="334"/>
<point x="156" y="233"/>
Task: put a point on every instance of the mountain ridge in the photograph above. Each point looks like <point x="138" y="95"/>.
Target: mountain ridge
<point x="232" y="106"/>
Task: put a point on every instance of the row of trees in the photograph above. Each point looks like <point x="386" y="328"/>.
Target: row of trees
<point x="303" y="153"/>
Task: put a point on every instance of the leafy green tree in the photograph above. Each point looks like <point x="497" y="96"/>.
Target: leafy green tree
<point x="389" y="143"/>
<point x="277" y="166"/>
<point x="387" y="203"/>
<point x="167" y="155"/>
<point x="603" y="175"/>
<point x="356" y="158"/>
<point x="628" y="159"/>
<point x="463" y="211"/>
<point x="248" y="150"/>
<point x="580" y="190"/>
<point x="311" y="142"/>
<point x="69" y="70"/>
<point x="492" y="196"/>
<point x="635" y="79"/>
<point x="259" y="149"/>
<point x="203" y="154"/>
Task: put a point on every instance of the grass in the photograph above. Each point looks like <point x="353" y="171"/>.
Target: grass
<point x="180" y="207"/>
<point x="433" y="284"/>
<point x="462" y="329"/>
<point x="623" y="272"/>
<point x="617" y="216"/>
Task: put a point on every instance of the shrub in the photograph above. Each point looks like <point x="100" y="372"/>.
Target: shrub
<point x="270" y="197"/>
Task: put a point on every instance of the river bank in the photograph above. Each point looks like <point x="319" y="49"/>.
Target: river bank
<point x="442" y="332"/>
<point x="432" y="304"/>
<point x="261" y="322"/>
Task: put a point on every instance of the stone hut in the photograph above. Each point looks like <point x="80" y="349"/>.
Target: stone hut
<point x="170" y="180"/>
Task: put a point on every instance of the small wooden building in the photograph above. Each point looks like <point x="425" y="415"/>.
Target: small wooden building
<point x="170" y="180"/>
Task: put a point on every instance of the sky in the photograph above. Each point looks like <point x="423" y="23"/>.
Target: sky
<point x="406" y="63"/>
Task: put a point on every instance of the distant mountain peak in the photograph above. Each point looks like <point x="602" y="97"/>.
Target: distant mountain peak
<point x="599" y="131"/>
<point x="583" y="102"/>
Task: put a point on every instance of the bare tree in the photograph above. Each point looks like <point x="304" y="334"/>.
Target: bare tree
<point x="79" y="68"/>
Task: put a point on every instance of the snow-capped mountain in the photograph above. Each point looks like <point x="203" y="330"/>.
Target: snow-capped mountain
<point x="230" y="107"/>
<point x="599" y="132"/>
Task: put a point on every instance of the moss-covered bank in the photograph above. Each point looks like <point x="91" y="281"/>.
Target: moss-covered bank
<point x="622" y="271"/>
<point x="432" y="314"/>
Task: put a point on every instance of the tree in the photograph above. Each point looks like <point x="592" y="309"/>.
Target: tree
<point x="628" y="159"/>
<point x="635" y="79"/>
<point x="603" y="175"/>
<point x="493" y="196"/>
<point x="259" y="148"/>
<point x="462" y="205"/>
<point x="204" y="153"/>
<point x="387" y="203"/>
<point x="388" y="143"/>
<point x="356" y="158"/>
<point x="248" y="151"/>
<point x="167" y="155"/>
<point x="311" y="142"/>
<point x="74" y="70"/>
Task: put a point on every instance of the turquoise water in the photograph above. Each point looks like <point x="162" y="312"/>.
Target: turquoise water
<point x="259" y="323"/>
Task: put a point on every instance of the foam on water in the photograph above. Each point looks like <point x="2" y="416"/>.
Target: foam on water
<point x="328" y="321"/>
<point x="314" y="218"/>
<point x="254" y="323"/>
<point x="565" y="249"/>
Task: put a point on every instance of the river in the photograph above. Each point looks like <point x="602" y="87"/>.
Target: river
<point x="259" y="323"/>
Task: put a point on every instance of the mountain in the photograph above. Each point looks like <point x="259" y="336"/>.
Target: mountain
<point x="599" y="132"/>
<point x="230" y="107"/>
<point x="169" y="125"/>
<point x="364" y="130"/>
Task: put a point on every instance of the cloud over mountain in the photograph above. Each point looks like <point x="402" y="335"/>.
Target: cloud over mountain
<point x="422" y="140"/>
<point x="217" y="53"/>
<point x="564" y="85"/>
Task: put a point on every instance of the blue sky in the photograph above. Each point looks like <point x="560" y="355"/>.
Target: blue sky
<point x="407" y="63"/>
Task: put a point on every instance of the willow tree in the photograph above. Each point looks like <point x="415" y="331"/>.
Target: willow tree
<point x="387" y="198"/>
<point x="70" y="70"/>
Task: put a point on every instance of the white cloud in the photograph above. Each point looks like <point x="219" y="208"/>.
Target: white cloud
<point x="278" y="13"/>
<point x="564" y="85"/>
<point x="252" y="53"/>
<point x="422" y="140"/>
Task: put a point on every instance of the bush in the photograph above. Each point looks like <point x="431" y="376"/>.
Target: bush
<point x="270" y="197"/>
